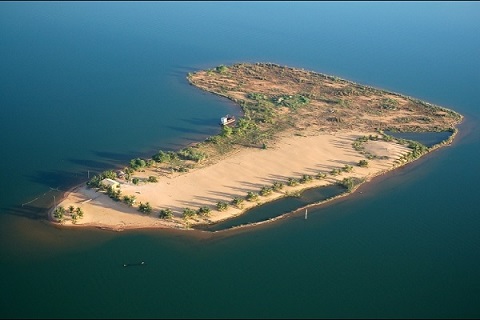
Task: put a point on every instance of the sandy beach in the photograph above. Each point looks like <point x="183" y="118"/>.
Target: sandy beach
<point x="309" y="121"/>
<point x="247" y="170"/>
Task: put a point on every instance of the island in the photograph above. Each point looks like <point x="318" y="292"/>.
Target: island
<point x="298" y="129"/>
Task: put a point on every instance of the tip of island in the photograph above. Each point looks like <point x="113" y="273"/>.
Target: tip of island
<point x="298" y="130"/>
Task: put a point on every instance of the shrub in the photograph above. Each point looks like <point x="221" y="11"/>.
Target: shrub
<point x="191" y="154"/>
<point x="188" y="213"/>
<point x="320" y="175"/>
<point x="265" y="191"/>
<point x="145" y="208"/>
<point x="350" y="183"/>
<point x="165" y="214"/>
<point x="237" y="202"/>
<point x="251" y="196"/>
<point x="152" y="179"/>
<point x="204" y="211"/>
<point x="305" y="178"/>
<point x="363" y="163"/>
<point x="277" y="186"/>
<point x="292" y="182"/>
<point x="222" y="206"/>
<point x="335" y="172"/>
<point x="129" y="200"/>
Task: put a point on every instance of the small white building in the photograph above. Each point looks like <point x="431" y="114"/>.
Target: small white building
<point x="109" y="182"/>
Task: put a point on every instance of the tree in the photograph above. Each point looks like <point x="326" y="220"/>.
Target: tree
<point x="222" y="206"/>
<point x="221" y="69"/>
<point x="251" y="196"/>
<point x="129" y="200"/>
<point x="292" y="182"/>
<point x="227" y="131"/>
<point x="145" y="208"/>
<point x="79" y="212"/>
<point x="204" y="211"/>
<point x="137" y="163"/>
<point x="188" y="213"/>
<point x="363" y="163"/>
<point x="59" y="213"/>
<point x="165" y="214"/>
<point x="320" y="175"/>
<point x="265" y="191"/>
<point x="237" y="202"/>
<point x="277" y="186"/>
<point x="305" y="178"/>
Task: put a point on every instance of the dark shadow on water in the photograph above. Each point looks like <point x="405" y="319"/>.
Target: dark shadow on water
<point x="190" y="130"/>
<point x="209" y="124"/>
<point x="58" y="179"/>
<point x="428" y="139"/>
<point x="277" y="208"/>
<point x="114" y="157"/>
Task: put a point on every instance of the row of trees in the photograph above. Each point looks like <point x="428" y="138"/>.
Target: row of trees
<point x="75" y="213"/>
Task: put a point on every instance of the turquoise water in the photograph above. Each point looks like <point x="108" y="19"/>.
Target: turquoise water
<point x="88" y="86"/>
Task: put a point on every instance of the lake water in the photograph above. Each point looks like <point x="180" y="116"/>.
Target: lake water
<point x="85" y="87"/>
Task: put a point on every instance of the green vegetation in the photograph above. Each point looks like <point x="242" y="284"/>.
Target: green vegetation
<point x="204" y="211"/>
<point x="350" y="183"/>
<point x="335" y="172"/>
<point x="320" y="175"/>
<point x="137" y="164"/>
<point x="95" y="181"/>
<point x="265" y="191"/>
<point x="162" y="156"/>
<point x="363" y="163"/>
<point x="277" y="186"/>
<point x="145" y="208"/>
<point x="113" y="193"/>
<point x="305" y="178"/>
<point x="222" y="206"/>
<point x="192" y="154"/>
<point x="237" y="202"/>
<point x="129" y="200"/>
<point x="291" y="182"/>
<point x="152" y="179"/>
<point x="59" y="213"/>
<point x="188" y="213"/>
<point x="165" y="214"/>
<point x="75" y="213"/>
<point x="221" y="69"/>
<point x="251" y="196"/>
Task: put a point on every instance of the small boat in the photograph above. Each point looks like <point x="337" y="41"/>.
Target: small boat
<point x="228" y="119"/>
<point x="134" y="264"/>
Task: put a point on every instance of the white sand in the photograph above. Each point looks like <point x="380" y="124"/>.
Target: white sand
<point x="247" y="170"/>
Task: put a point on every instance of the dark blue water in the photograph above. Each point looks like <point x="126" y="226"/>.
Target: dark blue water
<point x="428" y="139"/>
<point x="88" y="86"/>
<point x="278" y="208"/>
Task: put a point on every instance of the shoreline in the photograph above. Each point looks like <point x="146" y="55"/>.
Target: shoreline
<point x="319" y="129"/>
<point x="79" y="196"/>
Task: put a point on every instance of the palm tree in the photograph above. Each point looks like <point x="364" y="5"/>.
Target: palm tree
<point x="79" y="212"/>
